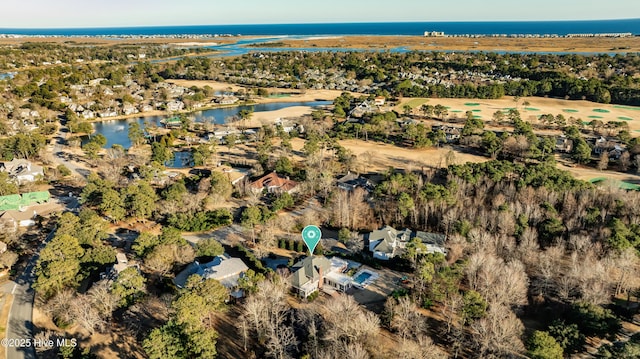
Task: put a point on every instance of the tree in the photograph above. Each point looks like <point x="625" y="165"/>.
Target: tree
<point x="136" y="136"/>
<point x="165" y="342"/>
<point x="128" y="287"/>
<point x="160" y="153"/>
<point x="209" y="247"/>
<point x="7" y="186"/>
<point x="230" y="140"/>
<point x="144" y="243"/>
<point x="474" y="306"/>
<point x="541" y="345"/>
<point x="568" y="336"/>
<point x="113" y="205"/>
<point x="581" y="152"/>
<point x="491" y="143"/>
<point x="141" y="199"/>
<point x="603" y="162"/>
<point x="251" y="217"/>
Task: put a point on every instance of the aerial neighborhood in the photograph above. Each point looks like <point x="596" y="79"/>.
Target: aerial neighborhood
<point x="243" y="197"/>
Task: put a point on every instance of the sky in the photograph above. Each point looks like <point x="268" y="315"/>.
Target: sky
<point x="124" y="13"/>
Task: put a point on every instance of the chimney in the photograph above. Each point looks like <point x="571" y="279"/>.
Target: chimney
<point x="321" y="278"/>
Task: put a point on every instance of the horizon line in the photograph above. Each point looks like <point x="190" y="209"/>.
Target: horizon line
<point x="313" y="23"/>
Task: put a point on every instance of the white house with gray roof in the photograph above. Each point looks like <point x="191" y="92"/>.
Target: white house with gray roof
<point x="388" y="242"/>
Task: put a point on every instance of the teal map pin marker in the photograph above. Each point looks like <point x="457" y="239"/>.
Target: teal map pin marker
<point x="311" y="236"/>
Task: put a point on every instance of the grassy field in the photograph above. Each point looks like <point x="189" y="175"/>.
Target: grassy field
<point x="415" y="103"/>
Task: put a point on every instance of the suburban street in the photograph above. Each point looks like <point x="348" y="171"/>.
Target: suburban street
<point x="19" y="323"/>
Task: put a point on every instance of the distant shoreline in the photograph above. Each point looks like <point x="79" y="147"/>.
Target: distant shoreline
<point x="360" y="28"/>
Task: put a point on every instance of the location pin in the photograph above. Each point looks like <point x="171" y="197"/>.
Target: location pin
<point x="311" y="236"/>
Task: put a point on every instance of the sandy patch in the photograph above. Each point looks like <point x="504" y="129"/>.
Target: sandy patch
<point x="588" y="173"/>
<point x="261" y="118"/>
<point x="293" y="95"/>
<point x="375" y="156"/>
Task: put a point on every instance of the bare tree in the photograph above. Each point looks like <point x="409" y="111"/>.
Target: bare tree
<point x="405" y="318"/>
<point x="421" y="348"/>
<point x="346" y="321"/>
<point x="499" y="282"/>
<point x="498" y="334"/>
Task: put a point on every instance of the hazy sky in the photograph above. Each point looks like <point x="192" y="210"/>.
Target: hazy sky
<point x="107" y="13"/>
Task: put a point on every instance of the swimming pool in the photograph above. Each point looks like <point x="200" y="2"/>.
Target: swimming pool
<point x="362" y="277"/>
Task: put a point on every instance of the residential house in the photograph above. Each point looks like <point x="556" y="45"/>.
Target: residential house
<point x="451" y="134"/>
<point x="315" y="272"/>
<point x="121" y="264"/>
<point x="146" y="108"/>
<point x="129" y="109"/>
<point x="563" y="144"/>
<point x="384" y="242"/>
<point x="612" y="147"/>
<point x="88" y="114"/>
<point x="225" y="269"/>
<point x="108" y="113"/>
<point x="18" y="202"/>
<point x="287" y="125"/>
<point x="226" y="100"/>
<point x="22" y="170"/>
<point x="175" y="106"/>
<point x="379" y="100"/>
<point x="388" y="242"/>
<point x="362" y="109"/>
<point x="351" y="181"/>
<point x="273" y="183"/>
<point x="15" y="219"/>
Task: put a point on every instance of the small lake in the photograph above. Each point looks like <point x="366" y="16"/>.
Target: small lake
<point x="117" y="131"/>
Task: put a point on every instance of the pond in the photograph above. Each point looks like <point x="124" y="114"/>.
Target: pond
<point x="117" y="131"/>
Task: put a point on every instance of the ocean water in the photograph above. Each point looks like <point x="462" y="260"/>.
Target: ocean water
<point x="385" y="28"/>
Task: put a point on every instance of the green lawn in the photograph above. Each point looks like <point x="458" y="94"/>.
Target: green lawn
<point x="627" y="108"/>
<point x="596" y="117"/>
<point x="416" y="102"/>
<point x="601" y="110"/>
<point x="623" y="118"/>
<point x="472" y="104"/>
<point x="570" y="110"/>
<point x="531" y="109"/>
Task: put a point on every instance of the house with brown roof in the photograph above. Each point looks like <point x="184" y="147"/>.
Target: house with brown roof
<point x="273" y="183"/>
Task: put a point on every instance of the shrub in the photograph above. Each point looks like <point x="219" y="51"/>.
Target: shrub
<point x="593" y="320"/>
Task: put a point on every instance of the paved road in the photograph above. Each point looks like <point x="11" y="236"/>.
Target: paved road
<point x="222" y="235"/>
<point x="19" y="323"/>
<point x="60" y="157"/>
